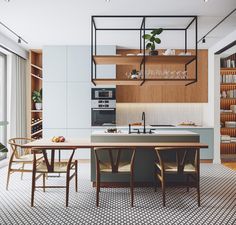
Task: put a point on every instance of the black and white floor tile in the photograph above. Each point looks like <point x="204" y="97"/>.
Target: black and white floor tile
<point x="218" y="198"/>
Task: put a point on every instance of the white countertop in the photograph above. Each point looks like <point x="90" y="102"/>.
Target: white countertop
<point x="156" y="133"/>
<point x="150" y="127"/>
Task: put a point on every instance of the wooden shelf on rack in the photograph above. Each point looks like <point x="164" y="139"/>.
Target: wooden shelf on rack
<point x="38" y="122"/>
<point x="130" y="60"/>
<point x="168" y="81"/>
<point x="37" y="132"/>
<point x="170" y="59"/>
<point x="117" y="81"/>
<point x="117" y="59"/>
<point x="138" y="82"/>
<point x="37" y="67"/>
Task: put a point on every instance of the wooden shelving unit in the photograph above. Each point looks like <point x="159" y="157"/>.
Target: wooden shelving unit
<point x="227" y="149"/>
<point x="35" y="129"/>
<point x="138" y="60"/>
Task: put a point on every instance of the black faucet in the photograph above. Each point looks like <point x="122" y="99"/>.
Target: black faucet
<point x="144" y="122"/>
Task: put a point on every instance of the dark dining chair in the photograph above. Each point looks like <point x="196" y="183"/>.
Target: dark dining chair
<point x="108" y="161"/>
<point x="52" y="166"/>
<point x="186" y="163"/>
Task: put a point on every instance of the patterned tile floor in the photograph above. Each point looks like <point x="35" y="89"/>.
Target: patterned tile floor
<point x="218" y="189"/>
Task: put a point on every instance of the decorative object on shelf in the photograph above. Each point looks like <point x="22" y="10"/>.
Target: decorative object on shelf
<point x="58" y="139"/>
<point x="169" y="52"/>
<point x="3" y="148"/>
<point x="152" y="40"/>
<point x="37" y="99"/>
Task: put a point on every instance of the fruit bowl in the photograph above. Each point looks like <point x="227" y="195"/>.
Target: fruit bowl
<point x="58" y="139"/>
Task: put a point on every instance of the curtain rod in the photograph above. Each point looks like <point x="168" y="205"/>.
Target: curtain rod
<point x="9" y="50"/>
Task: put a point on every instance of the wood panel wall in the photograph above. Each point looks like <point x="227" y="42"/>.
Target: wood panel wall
<point x="197" y="92"/>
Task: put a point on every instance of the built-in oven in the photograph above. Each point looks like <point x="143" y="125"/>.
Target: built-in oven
<point x="103" y="109"/>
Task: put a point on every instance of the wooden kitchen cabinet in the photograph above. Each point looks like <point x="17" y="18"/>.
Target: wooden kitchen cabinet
<point x="197" y="92"/>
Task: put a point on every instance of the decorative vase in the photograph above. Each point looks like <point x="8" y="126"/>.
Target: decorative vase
<point x="134" y="76"/>
<point x="154" y="52"/>
<point x="38" y="106"/>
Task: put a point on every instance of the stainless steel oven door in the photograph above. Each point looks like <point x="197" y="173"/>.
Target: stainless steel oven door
<point x="102" y="117"/>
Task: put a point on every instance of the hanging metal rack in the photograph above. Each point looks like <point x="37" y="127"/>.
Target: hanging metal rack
<point x="144" y="59"/>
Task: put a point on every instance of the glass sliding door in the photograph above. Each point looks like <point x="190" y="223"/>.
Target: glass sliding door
<point x="3" y="103"/>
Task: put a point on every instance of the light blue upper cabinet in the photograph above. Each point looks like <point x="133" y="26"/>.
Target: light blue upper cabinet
<point x="78" y="63"/>
<point x="54" y="63"/>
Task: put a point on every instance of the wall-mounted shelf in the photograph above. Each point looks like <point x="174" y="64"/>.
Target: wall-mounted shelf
<point x="143" y="59"/>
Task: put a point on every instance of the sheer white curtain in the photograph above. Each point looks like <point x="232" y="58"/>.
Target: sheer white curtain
<point x="18" y="122"/>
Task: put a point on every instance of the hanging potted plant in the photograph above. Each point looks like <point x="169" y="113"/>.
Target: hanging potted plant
<point x="37" y="99"/>
<point x="152" y="40"/>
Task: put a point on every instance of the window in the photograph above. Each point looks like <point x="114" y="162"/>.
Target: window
<point x="3" y="103"/>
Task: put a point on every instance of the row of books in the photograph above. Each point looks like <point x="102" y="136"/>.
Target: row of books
<point x="229" y="63"/>
<point x="227" y="139"/>
<point x="228" y="78"/>
<point x="229" y="94"/>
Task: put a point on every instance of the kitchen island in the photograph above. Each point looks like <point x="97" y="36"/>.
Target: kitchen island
<point x="145" y="157"/>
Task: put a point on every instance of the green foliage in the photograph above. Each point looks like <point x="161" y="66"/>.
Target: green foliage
<point x="152" y="39"/>
<point x="3" y="148"/>
<point x="134" y="71"/>
<point x="37" y="96"/>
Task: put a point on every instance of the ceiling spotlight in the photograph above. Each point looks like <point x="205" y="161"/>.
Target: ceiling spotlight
<point x="205" y="0"/>
<point x="204" y="40"/>
<point x="107" y="0"/>
<point x="19" y="40"/>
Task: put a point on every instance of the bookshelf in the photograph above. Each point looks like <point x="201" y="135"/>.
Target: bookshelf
<point x="228" y="110"/>
<point x="35" y="119"/>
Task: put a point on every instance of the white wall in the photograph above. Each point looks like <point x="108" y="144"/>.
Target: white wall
<point x="211" y="112"/>
<point x="159" y="113"/>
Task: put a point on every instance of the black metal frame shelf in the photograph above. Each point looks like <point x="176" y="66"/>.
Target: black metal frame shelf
<point x="143" y="59"/>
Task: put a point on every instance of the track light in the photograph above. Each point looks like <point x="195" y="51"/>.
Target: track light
<point x="204" y="40"/>
<point x="19" y="40"/>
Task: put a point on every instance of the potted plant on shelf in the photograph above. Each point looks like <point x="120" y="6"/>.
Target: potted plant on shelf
<point x="134" y="74"/>
<point x="37" y="99"/>
<point x="152" y="40"/>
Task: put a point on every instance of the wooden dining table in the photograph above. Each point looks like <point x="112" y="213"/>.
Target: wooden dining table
<point x="79" y="144"/>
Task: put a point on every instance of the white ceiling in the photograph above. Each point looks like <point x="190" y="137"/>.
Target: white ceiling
<point x="67" y="22"/>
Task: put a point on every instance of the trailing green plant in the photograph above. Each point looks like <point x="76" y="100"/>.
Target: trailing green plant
<point x="37" y="96"/>
<point x="152" y="39"/>
<point x="3" y="148"/>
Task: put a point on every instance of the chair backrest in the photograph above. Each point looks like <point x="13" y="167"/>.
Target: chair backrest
<point x="182" y="156"/>
<point x="17" y="146"/>
<point x="113" y="156"/>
